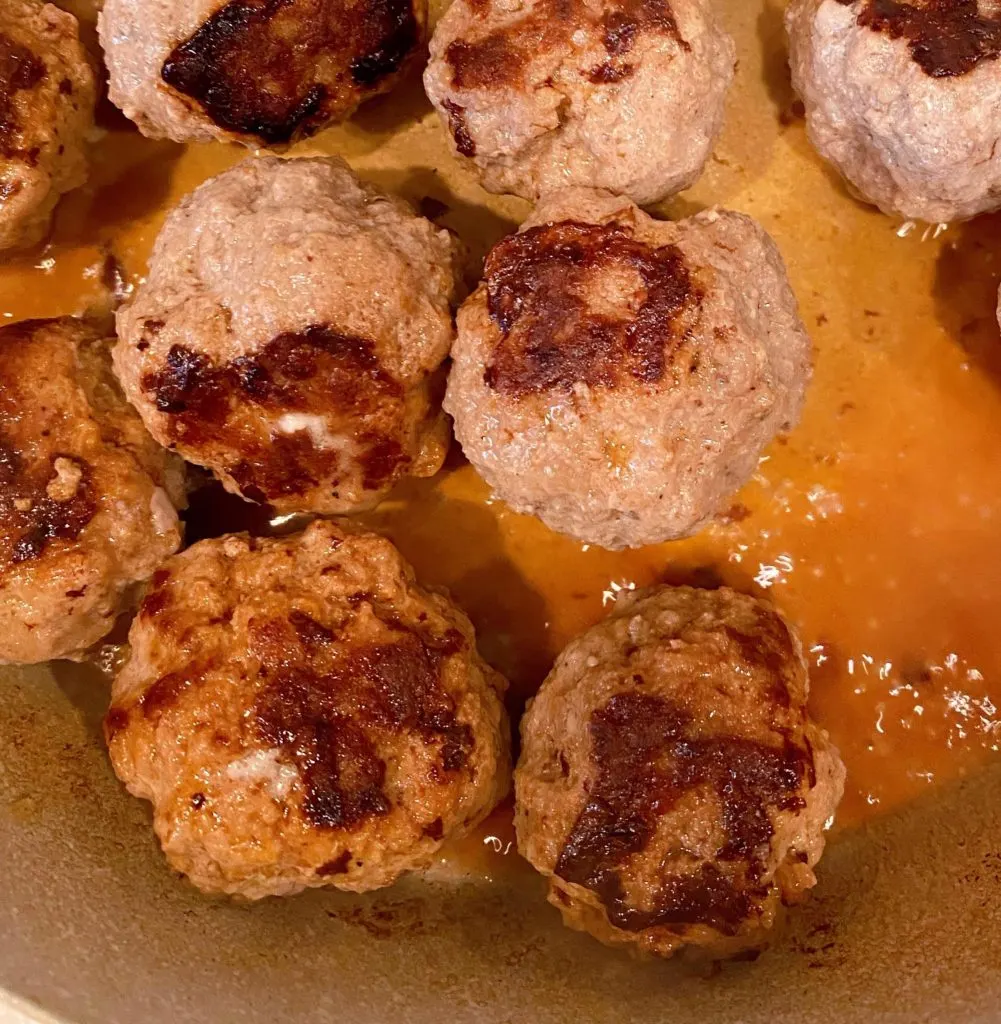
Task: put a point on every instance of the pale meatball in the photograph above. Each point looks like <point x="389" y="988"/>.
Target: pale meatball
<point x="904" y="99"/>
<point x="617" y="376"/>
<point x="259" y="72"/>
<point x="47" y="97"/>
<point x="626" y="95"/>
<point x="87" y="498"/>
<point x="300" y="713"/>
<point x="672" y="786"/>
<point x="290" y="335"/>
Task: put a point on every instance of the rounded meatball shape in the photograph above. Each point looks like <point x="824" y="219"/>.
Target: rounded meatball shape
<point x="259" y="72"/>
<point x="86" y="496"/>
<point x="671" y="784"/>
<point x="47" y="97"/>
<point x="290" y="333"/>
<point x="300" y="713"/>
<point x="618" y="376"/>
<point x="626" y="95"/>
<point x="903" y="100"/>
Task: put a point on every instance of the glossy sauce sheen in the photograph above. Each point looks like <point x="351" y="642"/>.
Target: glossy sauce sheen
<point x="876" y="527"/>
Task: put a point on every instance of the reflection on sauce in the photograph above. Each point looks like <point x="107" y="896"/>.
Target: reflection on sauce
<point x="486" y="853"/>
<point x="876" y="527"/>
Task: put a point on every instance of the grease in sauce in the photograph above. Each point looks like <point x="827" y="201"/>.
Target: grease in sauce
<point x="875" y="527"/>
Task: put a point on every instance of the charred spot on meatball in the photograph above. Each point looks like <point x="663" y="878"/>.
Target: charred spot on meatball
<point x="167" y="690"/>
<point x="43" y="502"/>
<point x="647" y="759"/>
<point x="297" y="372"/>
<point x="460" y="129"/>
<point x="539" y="284"/>
<point x="20" y="69"/>
<point x="947" y="38"/>
<point x="320" y="709"/>
<point x="278" y="69"/>
<point x="622" y="23"/>
<point x="607" y="73"/>
<point x="337" y="866"/>
<point x="499" y="59"/>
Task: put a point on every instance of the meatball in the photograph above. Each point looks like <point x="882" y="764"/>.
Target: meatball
<point x="902" y="99"/>
<point x="300" y="712"/>
<point x="86" y="496"/>
<point x="619" y="376"/>
<point x="290" y="334"/>
<point x="47" y="98"/>
<point x="619" y="94"/>
<point x="671" y="784"/>
<point x="259" y="72"/>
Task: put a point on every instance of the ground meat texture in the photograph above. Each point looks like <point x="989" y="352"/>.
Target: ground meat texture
<point x="301" y="713"/>
<point x="903" y="98"/>
<point x="618" y="376"/>
<point x="47" y="97"/>
<point x="290" y="336"/>
<point x="672" y="786"/>
<point x="87" y="498"/>
<point x="619" y="94"/>
<point x="260" y="72"/>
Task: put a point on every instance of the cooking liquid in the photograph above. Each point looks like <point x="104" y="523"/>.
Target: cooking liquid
<point x="875" y="527"/>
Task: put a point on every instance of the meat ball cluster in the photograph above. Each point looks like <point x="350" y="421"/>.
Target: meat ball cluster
<point x="290" y="336"/>
<point x="618" y="376"/>
<point x="259" y="72"/>
<point x="619" y="94"/>
<point x="87" y="499"/>
<point x="671" y="784"/>
<point x="301" y="713"/>
<point x="47" y="98"/>
<point x="902" y="99"/>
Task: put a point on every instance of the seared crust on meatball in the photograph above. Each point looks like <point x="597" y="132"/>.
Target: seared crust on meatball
<point x="47" y="97"/>
<point x="300" y="712"/>
<point x="619" y="376"/>
<point x="619" y="94"/>
<point x="290" y="334"/>
<point x="671" y="784"/>
<point x="86" y="496"/>
<point x="260" y="72"/>
<point x="902" y="98"/>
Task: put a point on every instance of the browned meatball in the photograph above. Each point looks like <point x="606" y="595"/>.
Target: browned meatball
<point x="260" y="72"/>
<point x="619" y="376"/>
<point x="47" y="97"/>
<point x="671" y="785"/>
<point x="620" y="94"/>
<point x="86" y="496"/>
<point x="290" y="336"/>
<point x="302" y="713"/>
<point x="902" y="98"/>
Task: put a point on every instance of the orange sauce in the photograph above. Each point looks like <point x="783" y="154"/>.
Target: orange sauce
<point x="875" y="527"/>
